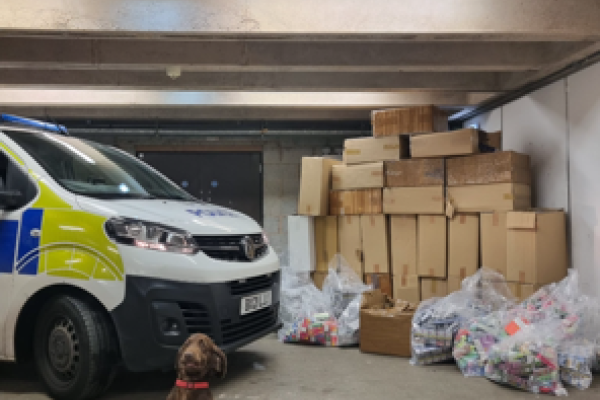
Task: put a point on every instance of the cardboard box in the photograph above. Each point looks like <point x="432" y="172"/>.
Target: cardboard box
<point x="370" y="149"/>
<point x="414" y="200"/>
<point x="318" y="278"/>
<point x="315" y="180"/>
<point x="403" y="245"/>
<point x="356" y="202"/>
<point x="523" y="291"/>
<point x="493" y="197"/>
<point x="493" y="241"/>
<point x="493" y="141"/>
<point x="482" y="169"/>
<point x="326" y="241"/>
<point x="463" y="245"/>
<point x="375" y="238"/>
<point x="350" y="242"/>
<point x="359" y="176"/>
<point x="407" y="288"/>
<point x="382" y="282"/>
<point x="422" y="119"/>
<point x="536" y="246"/>
<point x="445" y="144"/>
<point x="417" y="172"/>
<point x="301" y="239"/>
<point x="433" y="288"/>
<point x="385" y="326"/>
<point x="431" y="246"/>
<point x="454" y="284"/>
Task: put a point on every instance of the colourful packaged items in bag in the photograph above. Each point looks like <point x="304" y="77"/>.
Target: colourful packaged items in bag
<point x="576" y="361"/>
<point x="320" y="329"/>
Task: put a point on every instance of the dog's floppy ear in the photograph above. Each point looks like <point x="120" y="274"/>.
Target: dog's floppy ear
<point x="183" y="347"/>
<point x="218" y="361"/>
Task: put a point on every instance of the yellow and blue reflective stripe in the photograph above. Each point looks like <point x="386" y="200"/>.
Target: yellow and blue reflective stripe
<point x="29" y="242"/>
<point x="8" y="244"/>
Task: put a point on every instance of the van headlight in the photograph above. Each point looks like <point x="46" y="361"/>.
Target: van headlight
<point x="149" y="235"/>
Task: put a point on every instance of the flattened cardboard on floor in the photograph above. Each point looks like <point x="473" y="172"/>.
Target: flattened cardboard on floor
<point x="350" y="242"/>
<point x="493" y="233"/>
<point x="403" y="245"/>
<point x="445" y="144"/>
<point x="326" y="241"/>
<point x="315" y="181"/>
<point x="407" y="288"/>
<point x="536" y="246"/>
<point x="494" y="197"/>
<point x="301" y="236"/>
<point x="375" y="237"/>
<point x="483" y="169"/>
<point x="385" y="326"/>
<point x="421" y="119"/>
<point x="356" y="202"/>
<point x="463" y="245"/>
<point x="382" y="282"/>
<point x="415" y="172"/>
<point x="370" y="149"/>
<point x="431" y="245"/>
<point x="431" y="287"/>
<point x="414" y="200"/>
<point x="358" y="176"/>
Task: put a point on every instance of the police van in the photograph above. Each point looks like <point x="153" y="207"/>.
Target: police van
<point x="104" y="262"/>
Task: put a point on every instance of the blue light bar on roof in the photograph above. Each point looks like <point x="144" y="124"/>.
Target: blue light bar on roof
<point x="33" y="123"/>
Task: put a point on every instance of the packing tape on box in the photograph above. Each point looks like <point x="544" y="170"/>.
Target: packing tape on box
<point x="495" y="219"/>
<point x="404" y="270"/>
<point x="376" y="173"/>
<point x="522" y="276"/>
<point x="434" y="286"/>
<point x="462" y="219"/>
<point x="391" y="146"/>
<point x="518" y="291"/>
<point x="431" y="272"/>
<point x="376" y="268"/>
<point x="463" y="273"/>
<point x="508" y="196"/>
<point x="352" y="152"/>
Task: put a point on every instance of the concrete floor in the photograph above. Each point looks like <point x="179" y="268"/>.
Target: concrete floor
<point x="268" y="369"/>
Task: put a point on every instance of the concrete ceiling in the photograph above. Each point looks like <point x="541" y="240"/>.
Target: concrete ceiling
<point x="278" y="60"/>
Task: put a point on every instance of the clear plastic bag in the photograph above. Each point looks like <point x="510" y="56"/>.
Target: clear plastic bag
<point x="437" y="321"/>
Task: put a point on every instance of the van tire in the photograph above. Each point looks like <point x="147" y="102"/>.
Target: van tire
<point x="75" y="349"/>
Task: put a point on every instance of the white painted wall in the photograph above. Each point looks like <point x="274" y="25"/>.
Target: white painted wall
<point x="559" y="127"/>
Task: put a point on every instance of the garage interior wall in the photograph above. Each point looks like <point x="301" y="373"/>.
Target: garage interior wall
<point x="559" y="127"/>
<point x="281" y="170"/>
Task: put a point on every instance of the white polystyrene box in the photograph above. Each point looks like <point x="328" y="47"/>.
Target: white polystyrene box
<point x="301" y="243"/>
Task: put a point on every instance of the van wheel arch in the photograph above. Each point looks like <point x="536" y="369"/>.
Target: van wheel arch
<point x="25" y="326"/>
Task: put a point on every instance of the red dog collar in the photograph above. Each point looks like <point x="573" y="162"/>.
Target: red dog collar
<point x="191" y="385"/>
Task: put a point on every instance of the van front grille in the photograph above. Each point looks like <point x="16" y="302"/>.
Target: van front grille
<point x="253" y="285"/>
<point x="229" y="248"/>
<point x="196" y="318"/>
<point x="249" y="324"/>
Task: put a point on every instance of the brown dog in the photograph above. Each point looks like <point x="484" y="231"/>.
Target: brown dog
<point x="198" y="359"/>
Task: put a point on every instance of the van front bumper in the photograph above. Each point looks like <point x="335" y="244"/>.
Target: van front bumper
<point x="157" y="316"/>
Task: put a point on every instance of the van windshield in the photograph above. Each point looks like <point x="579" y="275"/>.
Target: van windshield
<point x="96" y="170"/>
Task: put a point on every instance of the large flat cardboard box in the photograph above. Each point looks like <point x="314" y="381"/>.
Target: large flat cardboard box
<point x="382" y="282"/>
<point x="301" y="240"/>
<point x="493" y="197"/>
<point x="359" y="176"/>
<point x="421" y="119"/>
<point x="326" y="241"/>
<point x="454" y="284"/>
<point x="315" y="181"/>
<point x="376" y="248"/>
<point x="385" y="326"/>
<point x="431" y="246"/>
<point x="414" y="200"/>
<point x="407" y="288"/>
<point x="493" y="241"/>
<point x="483" y="169"/>
<point x="463" y="245"/>
<point x="445" y="144"/>
<point x="318" y="278"/>
<point x="403" y="245"/>
<point x="350" y="242"/>
<point x="536" y="246"/>
<point x="370" y="149"/>
<point x="431" y="287"/>
<point x="415" y="172"/>
<point x="356" y="202"/>
<point x="523" y="291"/>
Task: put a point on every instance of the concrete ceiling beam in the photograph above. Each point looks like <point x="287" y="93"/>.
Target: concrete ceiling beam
<point x="410" y="19"/>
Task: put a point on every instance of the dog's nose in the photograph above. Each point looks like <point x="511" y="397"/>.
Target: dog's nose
<point x="188" y="357"/>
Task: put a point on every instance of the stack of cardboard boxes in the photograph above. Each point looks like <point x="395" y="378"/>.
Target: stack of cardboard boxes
<point x="414" y="211"/>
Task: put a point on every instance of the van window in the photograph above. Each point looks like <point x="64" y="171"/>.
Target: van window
<point x="12" y="178"/>
<point x="96" y="170"/>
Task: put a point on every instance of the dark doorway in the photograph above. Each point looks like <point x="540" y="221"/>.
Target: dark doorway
<point x="228" y="179"/>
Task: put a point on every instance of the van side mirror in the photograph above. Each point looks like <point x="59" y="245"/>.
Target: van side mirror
<point x="10" y="199"/>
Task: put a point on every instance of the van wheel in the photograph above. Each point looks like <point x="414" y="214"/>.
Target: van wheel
<point x="74" y="348"/>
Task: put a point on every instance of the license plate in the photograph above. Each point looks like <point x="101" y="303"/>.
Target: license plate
<point x="256" y="302"/>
